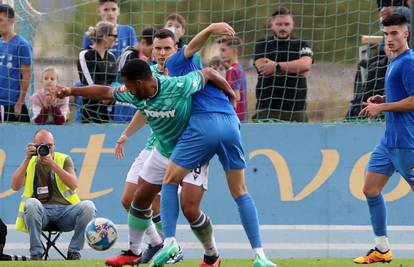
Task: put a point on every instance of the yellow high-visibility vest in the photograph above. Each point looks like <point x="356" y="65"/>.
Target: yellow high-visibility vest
<point x="69" y="194"/>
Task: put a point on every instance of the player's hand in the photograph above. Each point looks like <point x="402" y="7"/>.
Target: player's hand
<point x="267" y="68"/>
<point x="371" y="110"/>
<point x="233" y="98"/>
<point x="18" y="108"/>
<point x="30" y="150"/>
<point x="222" y="28"/>
<point x="385" y="12"/>
<point x="119" y="147"/>
<point x="63" y="91"/>
<point x="377" y="99"/>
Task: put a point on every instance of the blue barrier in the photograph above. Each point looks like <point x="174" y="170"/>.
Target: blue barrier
<point x="298" y="174"/>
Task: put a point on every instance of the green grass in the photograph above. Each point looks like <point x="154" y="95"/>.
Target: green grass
<point x="225" y="263"/>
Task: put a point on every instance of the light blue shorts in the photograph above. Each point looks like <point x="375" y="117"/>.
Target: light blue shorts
<point x="388" y="160"/>
<point x="209" y="134"/>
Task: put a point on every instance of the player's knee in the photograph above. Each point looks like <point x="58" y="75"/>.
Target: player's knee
<point x="126" y="201"/>
<point x="175" y="174"/>
<point x="171" y="178"/>
<point x="371" y="191"/>
<point x="238" y="190"/>
<point x="142" y="199"/>
<point x="190" y="211"/>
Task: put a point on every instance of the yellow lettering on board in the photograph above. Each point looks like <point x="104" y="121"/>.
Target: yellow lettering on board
<point x="330" y="160"/>
<point x="90" y="162"/>
<point x="2" y="162"/>
<point x="356" y="182"/>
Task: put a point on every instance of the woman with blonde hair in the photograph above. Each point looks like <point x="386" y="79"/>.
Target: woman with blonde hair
<point x="97" y="65"/>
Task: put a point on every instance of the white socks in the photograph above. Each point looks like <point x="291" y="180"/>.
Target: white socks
<point x="260" y="253"/>
<point x="135" y="241"/>
<point x="168" y="241"/>
<point x="381" y="243"/>
<point x="153" y="236"/>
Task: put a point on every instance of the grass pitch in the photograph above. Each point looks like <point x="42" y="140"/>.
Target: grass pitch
<point x="224" y="263"/>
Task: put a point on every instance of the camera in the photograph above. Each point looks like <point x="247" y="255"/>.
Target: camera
<point x="42" y="150"/>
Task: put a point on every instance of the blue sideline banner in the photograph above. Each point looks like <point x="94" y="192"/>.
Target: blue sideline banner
<point x="297" y="174"/>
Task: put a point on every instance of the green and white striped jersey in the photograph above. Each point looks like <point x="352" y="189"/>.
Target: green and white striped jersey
<point x="151" y="139"/>
<point x="167" y="113"/>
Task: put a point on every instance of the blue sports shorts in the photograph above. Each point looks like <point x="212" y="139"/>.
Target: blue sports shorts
<point x="208" y="134"/>
<point x="388" y="160"/>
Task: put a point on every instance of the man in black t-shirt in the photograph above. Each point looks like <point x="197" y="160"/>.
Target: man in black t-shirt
<point x="282" y="62"/>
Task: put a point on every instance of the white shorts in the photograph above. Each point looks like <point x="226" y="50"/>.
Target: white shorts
<point x="156" y="165"/>
<point x="136" y="167"/>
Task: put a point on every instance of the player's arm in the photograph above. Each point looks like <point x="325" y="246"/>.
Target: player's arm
<point x="406" y="104"/>
<point x="93" y="92"/>
<point x="211" y="75"/>
<point x="373" y="109"/>
<point x="137" y="122"/>
<point x="201" y="38"/>
<point x="403" y="105"/>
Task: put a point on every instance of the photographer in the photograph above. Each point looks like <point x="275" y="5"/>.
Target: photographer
<point x="49" y="196"/>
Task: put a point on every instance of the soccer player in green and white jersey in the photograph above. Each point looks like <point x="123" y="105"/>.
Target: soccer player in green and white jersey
<point x="153" y="233"/>
<point x="166" y="104"/>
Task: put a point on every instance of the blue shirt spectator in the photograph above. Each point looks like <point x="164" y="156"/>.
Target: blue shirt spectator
<point x="15" y="70"/>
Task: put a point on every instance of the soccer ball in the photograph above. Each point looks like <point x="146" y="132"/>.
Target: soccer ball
<point x="101" y="234"/>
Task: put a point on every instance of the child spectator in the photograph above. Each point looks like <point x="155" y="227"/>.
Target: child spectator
<point x="46" y="107"/>
<point x="176" y="24"/>
<point x="235" y="75"/>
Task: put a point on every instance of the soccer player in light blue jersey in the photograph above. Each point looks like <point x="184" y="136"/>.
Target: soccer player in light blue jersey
<point x="164" y="46"/>
<point x="395" y="151"/>
<point x="213" y="128"/>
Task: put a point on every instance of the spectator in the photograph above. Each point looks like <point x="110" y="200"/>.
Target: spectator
<point x="176" y="23"/>
<point x="374" y="85"/>
<point x="46" y="107"/>
<point x="15" y="69"/>
<point x="215" y="63"/>
<point x="282" y="62"/>
<point x="124" y="112"/>
<point x="143" y="50"/>
<point x="235" y="75"/>
<point x="49" y="196"/>
<point x="109" y="10"/>
<point x="97" y="65"/>
<point x="5" y="257"/>
<point x="392" y="3"/>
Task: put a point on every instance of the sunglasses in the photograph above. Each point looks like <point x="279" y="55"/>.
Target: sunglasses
<point x="113" y="35"/>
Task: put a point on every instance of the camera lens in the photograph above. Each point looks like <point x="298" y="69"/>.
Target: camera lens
<point x="43" y="150"/>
